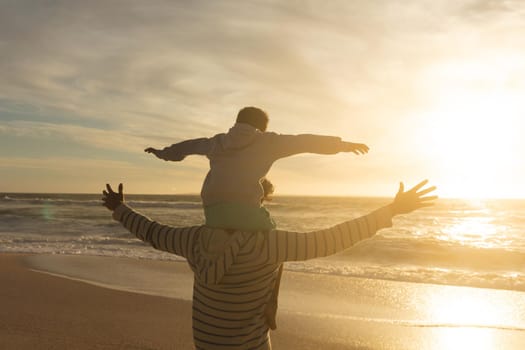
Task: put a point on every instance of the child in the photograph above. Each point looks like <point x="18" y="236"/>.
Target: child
<point x="239" y="160"/>
<point x="232" y="192"/>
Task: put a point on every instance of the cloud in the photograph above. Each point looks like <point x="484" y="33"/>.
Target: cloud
<point x="121" y="75"/>
<point x="113" y="140"/>
<point x="88" y="175"/>
<point x="170" y="61"/>
<point x="490" y="9"/>
<point x="63" y="163"/>
<point x="149" y="66"/>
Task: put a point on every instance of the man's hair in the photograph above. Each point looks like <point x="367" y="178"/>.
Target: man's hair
<point x="253" y="116"/>
<point x="268" y="189"/>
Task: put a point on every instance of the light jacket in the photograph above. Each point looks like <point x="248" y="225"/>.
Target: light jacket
<point x="240" y="158"/>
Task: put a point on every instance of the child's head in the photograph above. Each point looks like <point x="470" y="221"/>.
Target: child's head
<point x="253" y="116"/>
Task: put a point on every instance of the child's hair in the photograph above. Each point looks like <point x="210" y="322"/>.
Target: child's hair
<point x="253" y="116"/>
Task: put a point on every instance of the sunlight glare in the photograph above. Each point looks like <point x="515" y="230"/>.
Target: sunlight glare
<point x="466" y="318"/>
<point x="474" y="231"/>
<point x="471" y="132"/>
<point x="465" y="338"/>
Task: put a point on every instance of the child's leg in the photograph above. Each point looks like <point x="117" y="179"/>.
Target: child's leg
<point x="271" y="307"/>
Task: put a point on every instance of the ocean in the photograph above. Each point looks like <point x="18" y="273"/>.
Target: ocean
<point x="477" y="243"/>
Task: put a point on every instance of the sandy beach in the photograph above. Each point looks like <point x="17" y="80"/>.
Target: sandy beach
<point x="43" y="311"/>
<point x="39" y="311"/>
<point x="120" y="303"/>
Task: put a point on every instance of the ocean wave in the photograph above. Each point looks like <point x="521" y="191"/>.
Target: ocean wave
<point x="18" y="213"/>
<point x="93" y="200"/>
<point x="130" y="248"/>
<point x="165" y="204"/>
<point x="51" y="201"/>
<point x="430" y="246"/>
<point x="435" y="252"/>
<point x="510" y="280"/>
<point x="414" y="323"/>
<point x="124" y="240"/>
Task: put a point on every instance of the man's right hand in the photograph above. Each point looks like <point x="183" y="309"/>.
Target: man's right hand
<point x="406" y="202"/>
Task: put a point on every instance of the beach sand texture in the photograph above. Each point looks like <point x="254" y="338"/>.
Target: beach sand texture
<point x="147" y="306"/>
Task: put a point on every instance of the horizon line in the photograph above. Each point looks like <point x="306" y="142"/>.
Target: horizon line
<point x="275" y="196"/>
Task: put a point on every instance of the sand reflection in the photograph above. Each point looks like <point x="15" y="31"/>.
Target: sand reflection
<point x="465" y="338"/>
<point x="467" y="319"/>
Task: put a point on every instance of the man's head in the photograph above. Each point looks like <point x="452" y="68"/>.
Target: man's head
<point x="253" y="116"/>
<point x="268" y="189"/>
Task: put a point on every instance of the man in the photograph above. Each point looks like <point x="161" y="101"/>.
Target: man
<point x="232" y="192"/>
<point x="235" y="271"/>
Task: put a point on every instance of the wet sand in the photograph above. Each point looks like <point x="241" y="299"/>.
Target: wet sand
<point x="144" y="304"/>
<point x="42" y="311"/>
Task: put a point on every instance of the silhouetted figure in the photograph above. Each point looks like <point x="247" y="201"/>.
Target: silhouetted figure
<point x="239" y="160"/>
<point x="235" y="271"/>
<point x="232" y="192"/>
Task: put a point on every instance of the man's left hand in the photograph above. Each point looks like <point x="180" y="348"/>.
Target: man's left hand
<point x="111" y="199"/>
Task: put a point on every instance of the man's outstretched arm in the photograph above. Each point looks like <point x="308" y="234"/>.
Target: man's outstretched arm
<point x="179" y="151"/>
<point x="294" y="246"/>
<point x="162" y="237"/>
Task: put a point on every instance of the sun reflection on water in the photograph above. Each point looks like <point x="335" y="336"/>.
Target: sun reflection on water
<point x="475" y="231"/>
<point x="478" y="229"/>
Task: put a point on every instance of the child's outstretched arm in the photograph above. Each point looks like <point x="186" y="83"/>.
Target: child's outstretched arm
<point x="179" y="151"/>
<point x="281" y="146"/>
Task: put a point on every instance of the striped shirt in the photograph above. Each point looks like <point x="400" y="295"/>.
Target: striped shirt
<point x="235" y="272"/>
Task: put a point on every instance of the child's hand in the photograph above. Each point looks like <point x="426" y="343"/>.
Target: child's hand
<point x="166" y="153"/>
<point x="156" y="152"/>
<point x="357" y="148"/>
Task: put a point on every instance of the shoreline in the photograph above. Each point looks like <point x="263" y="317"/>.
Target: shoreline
<point x="42" y="310"/>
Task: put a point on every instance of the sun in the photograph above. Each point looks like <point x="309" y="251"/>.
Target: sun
<point x="471" y="136"/>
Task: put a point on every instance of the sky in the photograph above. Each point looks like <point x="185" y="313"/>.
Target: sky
<point x="434" y="88"/>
